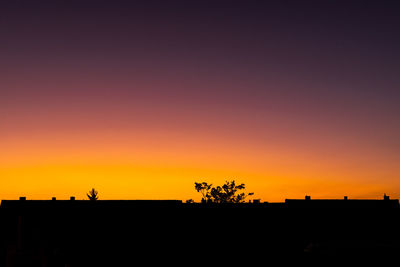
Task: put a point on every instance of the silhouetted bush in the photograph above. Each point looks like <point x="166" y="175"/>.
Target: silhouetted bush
<point x="92" y="195"/>
<point x="228" y="193"/>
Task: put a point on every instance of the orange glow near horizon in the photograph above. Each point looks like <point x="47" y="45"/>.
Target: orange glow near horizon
<point x="166" y="167"/>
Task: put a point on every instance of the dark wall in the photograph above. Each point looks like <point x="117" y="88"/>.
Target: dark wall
<point x="92" y="234"/>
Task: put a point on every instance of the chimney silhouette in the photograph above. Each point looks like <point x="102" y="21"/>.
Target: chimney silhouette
<point x="22" y="198"/>
<point x="308" y="198"/>
<point x="72" y="198"/>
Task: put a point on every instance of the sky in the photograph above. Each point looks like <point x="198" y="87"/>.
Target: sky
<point x="140" y="99"/>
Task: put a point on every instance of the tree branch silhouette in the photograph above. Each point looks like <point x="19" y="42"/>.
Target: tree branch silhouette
<point x="227" y="193"/>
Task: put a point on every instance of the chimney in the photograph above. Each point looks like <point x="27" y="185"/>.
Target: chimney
<point x="385" y="197"/>
<point x="22" y="198"/>
<point x="308" y="198"/>
<point x="256" y="201"/>
<point x="72" y="198"/>
<point x="53" y="198"/>
<point x="345" y="197"/>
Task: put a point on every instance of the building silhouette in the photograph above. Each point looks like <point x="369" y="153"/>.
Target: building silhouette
<point x="307" y="202"/>
<point x="121" y="232"/>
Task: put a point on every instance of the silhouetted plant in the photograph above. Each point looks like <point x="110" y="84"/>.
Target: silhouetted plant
<point x="204" y="189"/>
<point x="228" y="193"/>
<point x="92" y="195"/>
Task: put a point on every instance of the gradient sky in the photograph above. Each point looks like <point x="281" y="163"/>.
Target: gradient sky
<point x="140" y="99"/>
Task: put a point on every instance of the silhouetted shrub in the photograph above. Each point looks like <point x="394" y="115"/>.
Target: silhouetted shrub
<point x="92" y="195"/>
<point x="227" y="193"/>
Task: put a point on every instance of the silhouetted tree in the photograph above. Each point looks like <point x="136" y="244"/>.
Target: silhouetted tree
<point x="204" y="189"/>
<point x="92" y="195"/>
<point x="228" y="193"/>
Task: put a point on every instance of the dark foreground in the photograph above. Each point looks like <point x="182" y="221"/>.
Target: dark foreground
<point x="125" y="233"/>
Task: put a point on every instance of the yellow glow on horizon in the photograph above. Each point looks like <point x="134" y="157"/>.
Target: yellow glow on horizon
<point x="167" y="167"/>
<point x="161" y="182"/>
